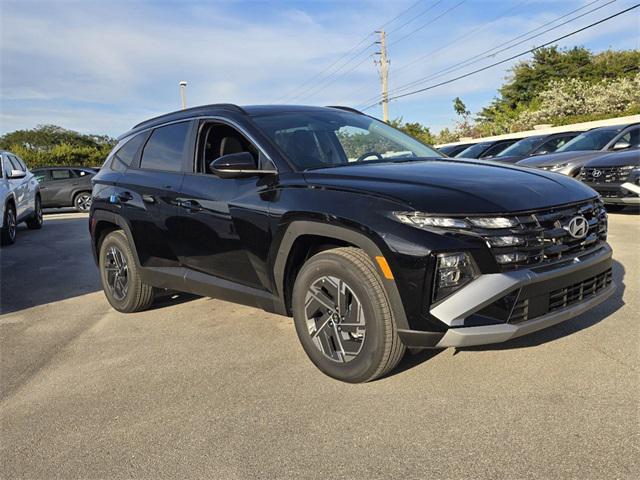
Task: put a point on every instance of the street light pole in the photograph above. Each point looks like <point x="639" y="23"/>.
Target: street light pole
<point x="183" y="94"/>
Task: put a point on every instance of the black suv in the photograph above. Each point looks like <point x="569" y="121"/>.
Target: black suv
<point x="65" y="186"/>
<point x="367" y="237"/>
<point x="616" y="177"/>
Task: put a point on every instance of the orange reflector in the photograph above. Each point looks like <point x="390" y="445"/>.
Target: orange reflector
<point x="384" y="266"/>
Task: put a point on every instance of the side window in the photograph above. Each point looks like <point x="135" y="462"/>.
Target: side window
<point x="15" y="164"/>
<point x="218" y="139"/>
<point x="496" y="149"/>
<point x="80" y="173"/>
<point x="632" y="137"/>
<point x="19" y="161"/>
<point x="40" y="176"/>
<point x="62" y="174"/>
<point x="165" y="148"/>
<point x="124" y="156"/>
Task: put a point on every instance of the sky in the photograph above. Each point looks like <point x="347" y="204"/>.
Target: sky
<point x="102" y="66"/>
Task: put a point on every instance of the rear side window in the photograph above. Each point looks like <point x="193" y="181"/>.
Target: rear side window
<point x="165" y="148"/>
<point x="124" y="156"/>
<point x="61" y="174"/>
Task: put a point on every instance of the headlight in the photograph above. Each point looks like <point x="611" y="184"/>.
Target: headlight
<point x="453" y="271"/>
<point x="555" y="168"/>
<point x="422" y="220"/>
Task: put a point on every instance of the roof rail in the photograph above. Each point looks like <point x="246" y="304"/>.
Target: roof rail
<point x="347" y="109"/>
<point x="186" y="111"/>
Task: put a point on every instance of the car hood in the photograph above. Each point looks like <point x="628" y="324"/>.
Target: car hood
<point x="616" y="159"/>
<point x="448" y="186"/>
<point x="577" y="158"/>
<point x="507" y="158"/>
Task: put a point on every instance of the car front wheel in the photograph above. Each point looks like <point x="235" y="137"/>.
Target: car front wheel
<point x="343" y="317"/>
<point x="8" y="233"/>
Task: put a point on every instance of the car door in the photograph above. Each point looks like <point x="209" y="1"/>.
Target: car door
<point x="225" y="220"/>
<point x="20" y="188"/>
<point x="147" y="194"/>
<point x="60" y="188"/>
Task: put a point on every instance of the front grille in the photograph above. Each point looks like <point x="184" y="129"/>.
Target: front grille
<point x="543" y="236"/>
<point x="605" y="174"/>
<point x="564" y="297"/>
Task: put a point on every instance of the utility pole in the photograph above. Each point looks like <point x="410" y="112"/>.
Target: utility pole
<point x="384" y="74"/>
<point x="183" y="94"/>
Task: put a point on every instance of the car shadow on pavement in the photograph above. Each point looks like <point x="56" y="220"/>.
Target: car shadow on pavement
<point x="568" y="327"/>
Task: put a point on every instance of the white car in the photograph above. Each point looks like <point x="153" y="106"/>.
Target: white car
<point x="20" y="197"/>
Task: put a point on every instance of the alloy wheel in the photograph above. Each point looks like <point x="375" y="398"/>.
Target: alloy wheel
<point x="39" y="211"/>
<point x="335" y="319"/>
<point x="117" y="272"/>
<point x="83" y="202"/>
<point x="11" y="224"/>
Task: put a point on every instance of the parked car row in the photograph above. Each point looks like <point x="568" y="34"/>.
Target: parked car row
<point x="605" y="158"/>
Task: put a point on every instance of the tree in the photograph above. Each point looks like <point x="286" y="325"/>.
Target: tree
<point x="50" y="145"/>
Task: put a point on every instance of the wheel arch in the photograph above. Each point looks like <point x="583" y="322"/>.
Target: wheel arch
<point x="102" y="223"/>
<point x="315" y="236"/>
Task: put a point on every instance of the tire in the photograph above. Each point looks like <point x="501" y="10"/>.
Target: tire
<point x="614" y="208"/>
<point x="350" y="353"/>
<point x="34" y="222"/>
<point x="120" y="276"/>
<point x="82" y="201"/>
<point x="9" y="224"/>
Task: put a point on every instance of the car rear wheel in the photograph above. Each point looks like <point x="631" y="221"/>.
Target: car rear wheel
<point x="8" y="233"/>
<point x="82" y="201"/>
<point x="120" y="276"/>
<point x="343" y="317"/>
<point x="34" y="222"/>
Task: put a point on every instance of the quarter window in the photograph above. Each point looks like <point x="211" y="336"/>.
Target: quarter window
<point x="124" y="156"/>
<point x="165" y="148"/>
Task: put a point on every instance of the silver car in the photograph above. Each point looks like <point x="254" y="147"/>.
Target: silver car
<point x="20" y="197"/>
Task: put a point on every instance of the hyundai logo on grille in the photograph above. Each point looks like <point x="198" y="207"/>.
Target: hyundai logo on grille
<point x="578" y="227"/>
<point x="596" y="173"/>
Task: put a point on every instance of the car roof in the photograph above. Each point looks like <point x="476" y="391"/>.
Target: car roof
<point x="220" y="108"/>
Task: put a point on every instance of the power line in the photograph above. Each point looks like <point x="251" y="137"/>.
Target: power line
<point x="394" y="97"/>
<point x="443" y="47"/>
<point x="492" y="52"/>
<point x="414" y="18"/>
<point x="466" y="35"/>
<point x="311" y="90"/>
<point x="428" y="23"/>
<point x="306" y="82"/>
<point x="296" y="92"/>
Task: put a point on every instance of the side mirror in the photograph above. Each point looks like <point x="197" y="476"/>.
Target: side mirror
<point x="621" y="145"/>
<point x="15" y="174"/>
<point x="236" y="165"/>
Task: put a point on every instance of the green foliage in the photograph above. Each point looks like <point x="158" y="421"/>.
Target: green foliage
<point x="50" y="145"/>
<point x="415" y="129"/>
<point x="529" y="79"/>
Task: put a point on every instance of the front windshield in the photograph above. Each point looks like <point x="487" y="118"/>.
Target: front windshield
<point x="474" y="151"/>
<point x="330" y="138"/>
<point x="593" y="140"/>
<point x="522" y="147"/>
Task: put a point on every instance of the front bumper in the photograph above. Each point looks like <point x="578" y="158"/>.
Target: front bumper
<point x="627" y="193"/>
<point x="537" y="284"/>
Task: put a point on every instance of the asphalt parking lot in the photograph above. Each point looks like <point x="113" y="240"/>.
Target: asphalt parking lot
<point x="197" y="387"/>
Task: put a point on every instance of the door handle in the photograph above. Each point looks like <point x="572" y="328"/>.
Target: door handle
<point x="191" y="205"/>
<point x="148" y="199"/>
